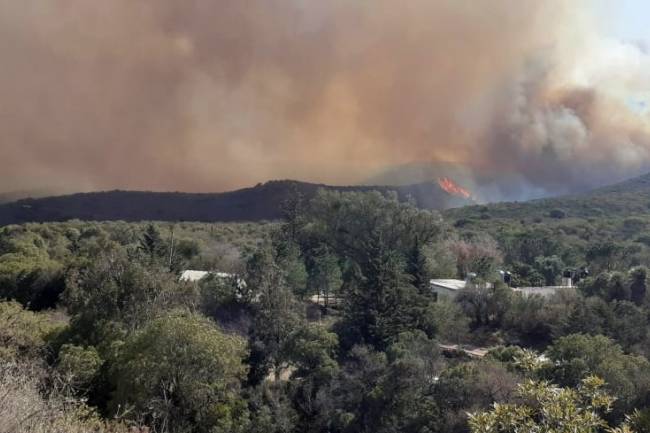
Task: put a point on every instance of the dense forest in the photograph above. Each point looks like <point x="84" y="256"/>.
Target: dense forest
<point x="326" y="321"/>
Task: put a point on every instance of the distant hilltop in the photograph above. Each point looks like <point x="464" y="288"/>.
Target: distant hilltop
<point x="261" y="202"/>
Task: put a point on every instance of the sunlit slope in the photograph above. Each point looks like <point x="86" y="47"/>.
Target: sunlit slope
<point x="631" y="197"/>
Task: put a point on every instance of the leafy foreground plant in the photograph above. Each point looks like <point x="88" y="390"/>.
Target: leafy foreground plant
<point x="547" y="408"/>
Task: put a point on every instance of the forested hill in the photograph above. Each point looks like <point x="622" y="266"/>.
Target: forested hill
<point x="631" y="197"/>
<point x="261" y="202"/>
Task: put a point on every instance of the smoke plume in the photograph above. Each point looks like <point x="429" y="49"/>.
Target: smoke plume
<point x="208" y="95"/>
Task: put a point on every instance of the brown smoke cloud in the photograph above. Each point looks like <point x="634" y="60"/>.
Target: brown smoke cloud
<point x="208" y="95"/>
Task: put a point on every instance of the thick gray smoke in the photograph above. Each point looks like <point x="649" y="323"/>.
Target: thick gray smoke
<point x="207" y="95"/>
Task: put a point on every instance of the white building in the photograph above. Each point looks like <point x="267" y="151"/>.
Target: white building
<point x="194" y="276"/>
<point x="541" y="291"/>
<point x="447" y="287"/>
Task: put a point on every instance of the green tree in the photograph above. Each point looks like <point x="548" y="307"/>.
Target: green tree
<point x="35" y="281"/>
<point x="271" y="409"/>
<point x="380" y="303"/>
<point x="116" y="295"/>
<point x="312" y="351"/>
<point x="550" y="268"/>
<point x="78" y="366"/>
<point x="485" y="306"/>
<point x="448" y="322"/>
<point x="628" y="324"/>
<point x="577" y="356"/>
<point x="524" y="275"/>
<point x="589" y="315"/>
<point x="23" y="333"/>
<point x="638" y="281"/>
<point x="151" y="243"/>
<point x="226" y="299"/>
<point x="605" y="255"/>
<point x="525" y="245"/>
<point x="373" y="393"/>
<point x="374" y="236"/>
<point x="275" y="315"/>
<point x="325" y="277"/>
<point x="293" y="212"/>
<point x="187" y="249"/>
<point x="181" y="373"/>
<point x="470" y="385"/>
<point x="418" y="267"/>
<point x="618" y="288"/>
<point x="529" y="320"/>
<point x="288" y="257"/>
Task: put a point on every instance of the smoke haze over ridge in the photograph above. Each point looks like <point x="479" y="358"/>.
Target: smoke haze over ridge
<point x="209" y="95"/>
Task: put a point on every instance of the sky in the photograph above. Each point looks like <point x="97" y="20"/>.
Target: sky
<point x="549" y="96"/>
<point x="628" y="19"/>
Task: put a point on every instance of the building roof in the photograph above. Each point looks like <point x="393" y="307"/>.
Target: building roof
<point x="543" y="291"/>
<point x="474" y="352"/>
<point x="192" y="275"/>
<point x="449" y="284"/>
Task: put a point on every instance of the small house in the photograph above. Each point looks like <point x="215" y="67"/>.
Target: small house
<point x="194" y="276"/>
<point x="447" y="287"/>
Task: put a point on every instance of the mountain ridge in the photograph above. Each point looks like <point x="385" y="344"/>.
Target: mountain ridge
<point x="260" y="202"/>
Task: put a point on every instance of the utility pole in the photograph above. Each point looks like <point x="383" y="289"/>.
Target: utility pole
<point x="171" y="246"/>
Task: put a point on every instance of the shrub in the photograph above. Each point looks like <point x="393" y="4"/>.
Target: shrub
<point x="22" y="333"/>
<point x="78" y="366"/>
<point x="557" y="214"/>
<point x="182" y="372"/>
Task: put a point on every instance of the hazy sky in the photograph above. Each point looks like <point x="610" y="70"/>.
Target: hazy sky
<point x="210" y="95"/>
<point x="627" y="19"/>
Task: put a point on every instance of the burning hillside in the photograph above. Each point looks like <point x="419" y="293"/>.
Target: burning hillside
<point x="454" y="189"/>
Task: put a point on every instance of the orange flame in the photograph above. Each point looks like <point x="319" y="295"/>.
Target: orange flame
<point x="452" y="188"/>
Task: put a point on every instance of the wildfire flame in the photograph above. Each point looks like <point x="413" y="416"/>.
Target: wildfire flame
<point x="452" y="188"/>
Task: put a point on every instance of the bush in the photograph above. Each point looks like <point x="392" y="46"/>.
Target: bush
<point x="557" y="214"/>
<point x="22" y="333"/>
<point x="78" y="366"/>
<point x="36" y="282"/>
<point x="182" y="372"/>
<point x="577" y="356"/>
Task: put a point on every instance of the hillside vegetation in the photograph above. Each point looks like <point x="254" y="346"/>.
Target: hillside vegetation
<point x="262" y="202"/>
<point x="624" y="199"/>
<point x="100" y="334"/>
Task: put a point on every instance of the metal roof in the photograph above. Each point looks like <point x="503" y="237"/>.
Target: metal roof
<point x="192" y="275"/>
<point x="449" y="284"/>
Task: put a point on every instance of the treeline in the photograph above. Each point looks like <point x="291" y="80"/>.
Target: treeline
<point x="327" y="324"/>
<point x="606" y="230"/>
